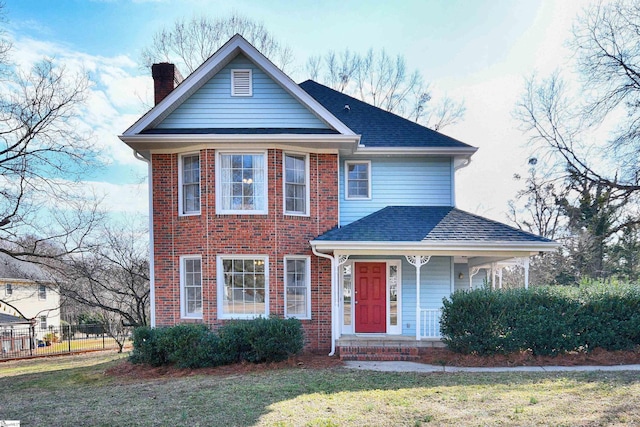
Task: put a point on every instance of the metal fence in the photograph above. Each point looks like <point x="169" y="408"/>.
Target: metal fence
<point x="29" y="341"/>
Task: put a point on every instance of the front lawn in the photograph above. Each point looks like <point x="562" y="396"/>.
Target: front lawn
<point x="75" y="390"/>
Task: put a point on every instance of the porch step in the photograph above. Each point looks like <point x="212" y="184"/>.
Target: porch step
<point x="379" y="353"/>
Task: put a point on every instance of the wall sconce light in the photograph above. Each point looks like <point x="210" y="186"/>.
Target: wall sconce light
<point x="460" y="275"/>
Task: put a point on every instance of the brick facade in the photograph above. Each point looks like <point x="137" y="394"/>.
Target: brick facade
<point x="275" y="235"/>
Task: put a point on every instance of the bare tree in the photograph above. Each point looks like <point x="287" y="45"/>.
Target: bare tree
<point x="383" y="81"/>
<point x="43" y="154"/>
<point x="189" y="43"/>
<point x="111" y="278"/>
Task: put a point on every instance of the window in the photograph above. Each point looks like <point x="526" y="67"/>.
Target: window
<point x="43" y="322"/>
<point x="358" y="180"/>
<point x="297" y="281"/>
<point x="189" y="184"/>
<point x="8" y="289"/>
<point x="241" y="184"/>
<point x="296" y="190"/>
<point x="241" y="83"/>
<point x="346" y="293"/>
<point x="243" y="286"/>
<point x="42" y="292"/>
<point x="191" y="286"/>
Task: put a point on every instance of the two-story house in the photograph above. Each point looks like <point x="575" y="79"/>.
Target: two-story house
<point x="273" y="198"/>
<point x="32" y="291"/>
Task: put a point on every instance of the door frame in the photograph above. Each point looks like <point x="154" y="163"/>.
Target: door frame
<point x="391" y="329"/>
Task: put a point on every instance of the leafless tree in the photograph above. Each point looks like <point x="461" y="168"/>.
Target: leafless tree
<point x="189" y="43"/>
<point x="111" y="277"/>
<point x="384" y="81"/>
<point x="43" y="154"/>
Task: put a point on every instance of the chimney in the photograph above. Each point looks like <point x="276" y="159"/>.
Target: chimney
<point x="165" y="78"/>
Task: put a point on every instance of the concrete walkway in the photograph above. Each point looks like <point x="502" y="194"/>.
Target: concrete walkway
<point x="421" y="367"/>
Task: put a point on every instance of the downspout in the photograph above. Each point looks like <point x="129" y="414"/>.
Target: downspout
<point x="333" y="297"/>
<point x="152" y="289"/>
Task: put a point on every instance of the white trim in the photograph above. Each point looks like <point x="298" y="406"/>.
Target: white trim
<point x="346" y="179"/>
<point x="181" y="211"/>
<point x="183" y="296"/>
<point x="307" y="204"/>
<point x="444" y="247"/>
<point x="234" y="89"/>
<point x="218" y="172"/>
<point x="221" y="284"/>
<point x="212" y="66"/>
<point x="307" y="264"/>
<point x="466" y="152"/>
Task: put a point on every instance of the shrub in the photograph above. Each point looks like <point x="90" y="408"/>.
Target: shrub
<point x="545" y="320"/>
<point x="195" y="346"/>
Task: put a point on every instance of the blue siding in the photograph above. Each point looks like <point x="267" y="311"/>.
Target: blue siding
<point x="212" y="106"/>
<point x="400" y="182"/>
<point x="435" y="284"/>
<point x="463" y="284"/>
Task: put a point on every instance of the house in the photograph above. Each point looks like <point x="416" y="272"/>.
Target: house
<point x="273" y="198"/>
<point x="29" y="289"/>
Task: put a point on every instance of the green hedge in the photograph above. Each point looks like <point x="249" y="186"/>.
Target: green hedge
<point x="195" y="346"/>
<point x="544" y="320"/>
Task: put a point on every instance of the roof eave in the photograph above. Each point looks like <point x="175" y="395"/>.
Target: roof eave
<point x="435" y="151"/>
<point x="443" y="247"/>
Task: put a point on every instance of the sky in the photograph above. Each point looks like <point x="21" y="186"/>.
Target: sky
<point x="478" y="51"/>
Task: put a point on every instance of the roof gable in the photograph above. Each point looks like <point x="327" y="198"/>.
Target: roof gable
<point x="214" y="106"/>
<point x="194" y="82"/>
<point x="378" y="128"/>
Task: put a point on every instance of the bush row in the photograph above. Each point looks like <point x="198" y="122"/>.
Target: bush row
<point x="544" y="320"/>
<point x="196" y="346"/>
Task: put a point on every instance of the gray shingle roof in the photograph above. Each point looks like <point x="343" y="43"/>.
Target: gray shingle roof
<point x="11" y="268"/>
<point x="428" y="224"/>
<point x="377" y="127"/>
<point x="7" y="319"/>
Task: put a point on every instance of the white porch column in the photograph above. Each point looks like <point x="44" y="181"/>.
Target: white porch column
<point x="417" y="261"/>
<point x="493" y="275"/>
<point x="500" y="277"/>
<point x="337" y="303"/>
<point x="472" y="272"/>
<point x="525" y="264"/>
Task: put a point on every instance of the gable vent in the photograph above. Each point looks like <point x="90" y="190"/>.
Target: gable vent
<point x="241" y="83"/>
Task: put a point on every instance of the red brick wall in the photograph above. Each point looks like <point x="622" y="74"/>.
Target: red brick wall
<point x="275" y="235"/>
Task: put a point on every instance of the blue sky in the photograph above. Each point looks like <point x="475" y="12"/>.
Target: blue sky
<point x="479" y="51"/>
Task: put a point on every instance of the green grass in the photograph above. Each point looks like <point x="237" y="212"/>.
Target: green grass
<point x="83" y="395"/>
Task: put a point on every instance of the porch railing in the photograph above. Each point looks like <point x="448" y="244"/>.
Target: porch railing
<point x="430" y="323"/>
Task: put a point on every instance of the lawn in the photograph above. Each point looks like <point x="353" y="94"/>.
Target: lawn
<point x="74" y="390"/>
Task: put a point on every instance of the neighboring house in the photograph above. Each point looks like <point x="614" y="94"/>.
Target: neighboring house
<point x="31" y="290"/>
<point x="273" y="198"/>
<point x="14" y="333"/>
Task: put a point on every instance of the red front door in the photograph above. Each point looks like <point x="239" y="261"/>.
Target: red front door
<point x="371" y="297"/>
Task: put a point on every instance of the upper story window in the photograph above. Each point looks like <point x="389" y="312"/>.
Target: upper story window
<point x="191" y="286"/>
<point x="189" y="184"/>
<point x="42" y="292"/>
<point x="296" y="188"/>
<point x="241" y="83"/>
<point x="241" y="184"/>
<point x="358" y="180"/>
<point x="243" y="286"/>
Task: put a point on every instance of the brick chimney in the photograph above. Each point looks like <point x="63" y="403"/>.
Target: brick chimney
<point x="165" y="78"/>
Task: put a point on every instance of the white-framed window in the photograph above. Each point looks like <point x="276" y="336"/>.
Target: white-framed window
<point x="43" y="322"/>
<point x="297" y="283"/>
<point x="243" y="286"/>
<point x="241" y="82"/>
<point x="8" y="289"/>
<point x="296" y="184"/>
<point x="189" y="184"/>
<point x="241" y="183"/>
<point x="42" y="292"/>
<point x="191" y="286"/>
<point x="357" y="180"/>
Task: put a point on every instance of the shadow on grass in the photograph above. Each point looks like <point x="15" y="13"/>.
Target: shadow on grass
<point x="306" y="397"/>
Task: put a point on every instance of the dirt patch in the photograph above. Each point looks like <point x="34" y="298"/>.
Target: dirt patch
<point x="304" y="361"/>
<point x="442" y="356"/>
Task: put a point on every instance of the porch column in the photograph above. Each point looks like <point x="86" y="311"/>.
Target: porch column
<point x="525" y="264"/>
<point x="472" y="272"/>
<point x="500" y="277"/>
<point x="493" y="275"/>
<point x="417" y="261"/>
